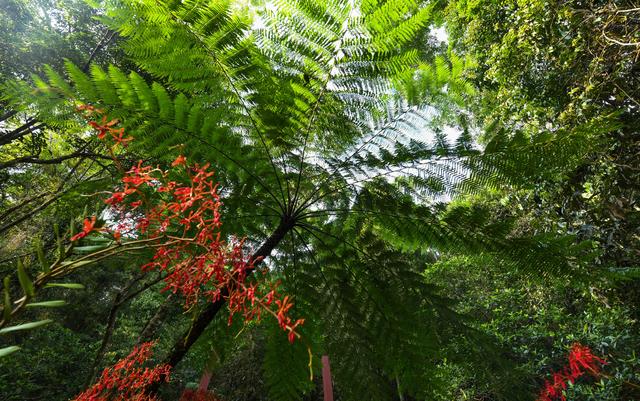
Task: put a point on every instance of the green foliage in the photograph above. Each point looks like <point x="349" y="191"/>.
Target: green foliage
<point x="23" y="373"/>
<point x="37" y="32"/>
<point x="286" y="367"/>
<point x="559" y="91"/>
<point x="538" y="322"/>
<point x="334" y="116"/>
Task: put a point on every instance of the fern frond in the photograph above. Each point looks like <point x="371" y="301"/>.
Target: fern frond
<point x="526" y="159"/>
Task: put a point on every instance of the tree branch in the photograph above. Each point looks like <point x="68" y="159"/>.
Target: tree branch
<point x="29" y="126"/>
<point x="108" y="37"/>
<point x="152" y="324"/>
<point x="200" y="323"/>
<point x="56" y="160"/>
<point x="118" y="301"/>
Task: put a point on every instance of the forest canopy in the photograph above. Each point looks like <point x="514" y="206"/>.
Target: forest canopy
<point x="210" y="200"/>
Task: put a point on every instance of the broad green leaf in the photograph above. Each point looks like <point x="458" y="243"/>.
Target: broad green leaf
<point x="26" y="326"/>
<point x="47" y="304"/>
<point x="8" y="350"/>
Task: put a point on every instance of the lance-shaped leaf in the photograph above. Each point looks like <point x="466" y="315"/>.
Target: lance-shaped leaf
<point x="47" y="304"/>
<point x="56" y="230"/>
<point x="25" y="326"/>
<point x="72" y="286"/>
<point x="91" y="248"/>
<point x="25" y="281"/>
<point x="72" y="228"/>
<point x="7" y="300"/>
<point x="75" y="263"/>
<point x="44" y="265"/>
<point x="8" y="350"/>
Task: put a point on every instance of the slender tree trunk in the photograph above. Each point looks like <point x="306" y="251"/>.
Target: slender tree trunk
<point x="118" y="301"/>
<point x="153" y="324"/>
<point x="106" y="338"/>
<point x="200" y="323"/>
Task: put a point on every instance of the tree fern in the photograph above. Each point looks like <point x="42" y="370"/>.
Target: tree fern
<point x="319" y="120"/>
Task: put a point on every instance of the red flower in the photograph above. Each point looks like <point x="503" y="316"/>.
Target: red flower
<point x="115" y="198"/>
<point x="581" y="361"/>
<point x="118" y="137"/>
<point x="180" y="160"/>
<point x="292" y="328"/>
<point x="580" y="358"/>
<point x="89" y="109"/>
<point x="102" y="131"/>
<point x="88" y="226"/>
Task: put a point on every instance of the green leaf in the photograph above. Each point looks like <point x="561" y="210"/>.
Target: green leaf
<point x="72" y="286"/>
<point x="8" y="350"/>
<point x="26" y="326"/>
<point x="90" y="248"/>
<point x="7" y="300"/>
<point x="41" y="258"/>
<point x="56" y="230"/>
<point x="72" y="228"/>
<point x="25" y="281"/>
<point x="99" y="240"/>
<point x="47" y="304"/>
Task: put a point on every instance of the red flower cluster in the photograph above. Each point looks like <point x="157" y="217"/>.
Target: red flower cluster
<point x="105" y="126"/>
<point x="181" y="208"/>
<point x="127" y="379"/>
<point x="581" y="361"/>
<point x="197" y="262"/>
<point x="283" y="318"/>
